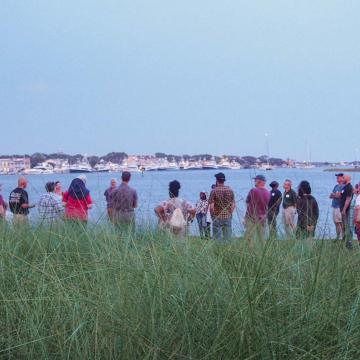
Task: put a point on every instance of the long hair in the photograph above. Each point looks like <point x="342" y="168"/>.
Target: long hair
<point x="304" y="188"/>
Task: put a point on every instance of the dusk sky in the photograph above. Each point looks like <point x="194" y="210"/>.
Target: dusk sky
<point x="181" y="77"/>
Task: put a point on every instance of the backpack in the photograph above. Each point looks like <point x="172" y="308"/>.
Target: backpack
<point x="177" y="221"/>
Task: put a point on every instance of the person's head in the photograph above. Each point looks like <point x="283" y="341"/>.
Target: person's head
<point x="57" y="187"/>
<point x="202" y="196"/>
<point x="83" y="178"/>
<point x="339" y="178"/>
<point x="174" y="187"/>
<point x="220" y="178"/>
<point x="260" y="181"/>
<point x="50" y="187"/>
<point x="304" y="188"/>
<point x="22" y="182"/>
<point x="113" y="183"/>
<point x="125" y="176"/>
<point x="287" y="185"/>
<point x="274" y="185"/>
<point x="347" y="179"/>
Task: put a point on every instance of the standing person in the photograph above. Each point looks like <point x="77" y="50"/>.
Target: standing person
<point x="3" y="206"/>
<point x="222" y="206"/>
<point x="77" y="201"/>
<point x="257" y="203"/>
<point x="356" y="219"/>
<point x="345" y="201"/>
<point x="335" y="205"/>
<point x="123" y="201"/>
<point x="175" y="212"/>
<point x="107" y="194"/>
<point x="19" y="203"/>
<point x="308" y="211"/>
<point x="202" y="207"/>
<point x="289" y="208"/>
<point x="50" y="206"/>
<point x="274" y="208"/>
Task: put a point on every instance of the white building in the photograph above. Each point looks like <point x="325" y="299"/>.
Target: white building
<point x="14" y="165"/>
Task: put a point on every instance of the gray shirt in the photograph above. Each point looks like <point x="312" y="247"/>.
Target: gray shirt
<point x="123" y="199"/>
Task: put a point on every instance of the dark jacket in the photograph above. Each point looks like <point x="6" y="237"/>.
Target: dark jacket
<point x="308" y="212"/>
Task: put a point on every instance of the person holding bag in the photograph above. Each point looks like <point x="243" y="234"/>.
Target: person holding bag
<point x="175" y="212"/>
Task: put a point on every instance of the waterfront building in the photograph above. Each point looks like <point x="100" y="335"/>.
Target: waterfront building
<point x="14" y="164"/>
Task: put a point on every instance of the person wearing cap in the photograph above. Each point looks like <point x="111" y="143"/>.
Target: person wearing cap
<point x="77" y="201"/>
<point x="50" y="206"/>
<point x="345" y="202"/>
<point x="289" y="208"/>
<point x="257" y="203"/>
<point x="222" y="206"/>
<point x="335" y="205"/>
<point x="123" y="201"/>
<point x="274" y="208"/>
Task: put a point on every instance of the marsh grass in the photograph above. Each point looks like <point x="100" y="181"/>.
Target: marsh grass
<point x="67" y="293"/>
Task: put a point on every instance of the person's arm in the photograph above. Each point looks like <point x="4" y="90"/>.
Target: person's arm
<point x="233" y="204"/>
<point x="160" y="213"/>
<point x="88" y="201"/>
<point x="211" y="203"/>
<point x="347" y="204"/>
<point x="135" y="202"/>
<point x="25" y="204"/>
<point x="356" y="214"/>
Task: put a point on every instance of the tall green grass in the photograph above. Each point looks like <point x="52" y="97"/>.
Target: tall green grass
<point x="67" y="293"/>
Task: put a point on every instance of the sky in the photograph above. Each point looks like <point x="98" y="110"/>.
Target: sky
<point x="181" y="77"/>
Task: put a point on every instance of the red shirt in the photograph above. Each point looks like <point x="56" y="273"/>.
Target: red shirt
<point x="76" y="209"/>
<point x="257" y="204"/>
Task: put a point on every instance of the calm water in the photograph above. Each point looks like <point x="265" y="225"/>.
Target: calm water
<point x="152" y="188"/>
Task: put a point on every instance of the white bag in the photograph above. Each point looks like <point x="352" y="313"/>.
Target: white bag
<point x="177" y="221"/>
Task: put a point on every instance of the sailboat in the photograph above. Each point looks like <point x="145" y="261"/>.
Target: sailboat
<point x="267" y="166"/>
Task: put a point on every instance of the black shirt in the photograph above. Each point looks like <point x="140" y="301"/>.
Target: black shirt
<point x="275" y="201"/>
<point x="17" y="198"/>
<point x="347" y="191"/>
<point x="289" y="199"/>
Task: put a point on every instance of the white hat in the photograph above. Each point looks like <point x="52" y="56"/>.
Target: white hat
<point x="83" y="178"/>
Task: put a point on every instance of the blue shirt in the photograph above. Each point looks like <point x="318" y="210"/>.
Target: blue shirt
<point x="336" y="202"/>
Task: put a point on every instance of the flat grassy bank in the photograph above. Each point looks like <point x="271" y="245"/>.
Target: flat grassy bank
<point x="70" y="294"/>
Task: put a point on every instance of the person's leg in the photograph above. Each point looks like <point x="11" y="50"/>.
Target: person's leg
<point x="338" y="223"/>
<point x="199" y="221"/>
<point x="207" y="231"/>
<point x="347" y="230"/>
<point x="227" y="229"/>
<point x="357" y="230"/>
<point x="216" y="229"/>
<point x="272" y="224"/>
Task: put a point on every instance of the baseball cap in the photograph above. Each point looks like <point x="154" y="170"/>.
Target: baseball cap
<point x="220" y="176"/>
<point x="339" y="174"/>
<point x="274" y="184"/>
<point x="260" y="177"/>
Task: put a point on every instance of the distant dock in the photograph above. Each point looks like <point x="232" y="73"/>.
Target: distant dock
<point x="340" y="170"/>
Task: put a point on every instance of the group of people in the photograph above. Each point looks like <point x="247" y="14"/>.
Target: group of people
<point x="300" y="210"/>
